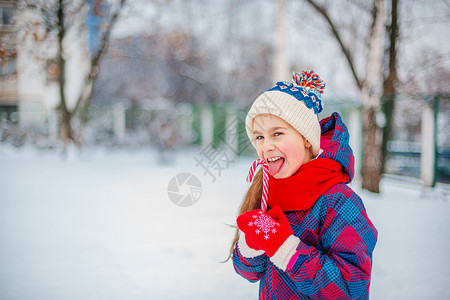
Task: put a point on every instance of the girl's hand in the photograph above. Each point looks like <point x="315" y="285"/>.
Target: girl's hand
<point x="265" y="231"/>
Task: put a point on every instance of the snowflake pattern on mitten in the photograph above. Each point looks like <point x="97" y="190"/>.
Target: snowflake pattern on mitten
<point x="265" y="231"/>
<point x="264" y="224"/>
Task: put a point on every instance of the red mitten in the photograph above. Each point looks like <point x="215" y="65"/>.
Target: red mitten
<point x="263" y="230"/>
<point x="279" y="216"/>
<point x="251" y="244"/>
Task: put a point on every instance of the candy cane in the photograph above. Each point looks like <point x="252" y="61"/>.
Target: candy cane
<point x="265" y="190"/>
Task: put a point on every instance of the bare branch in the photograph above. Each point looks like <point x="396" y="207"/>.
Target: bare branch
<point x="322" y="11"/>
<point x="96" y="58"/>
<point x="85" y="97"/>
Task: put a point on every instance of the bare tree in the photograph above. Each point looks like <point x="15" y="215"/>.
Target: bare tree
<point x="85" y="97"/>
<point x="61" y="17"/>
<point x="369" y="85"/>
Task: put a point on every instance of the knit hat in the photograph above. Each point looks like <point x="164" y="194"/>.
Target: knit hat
<point x="298" y="103"/>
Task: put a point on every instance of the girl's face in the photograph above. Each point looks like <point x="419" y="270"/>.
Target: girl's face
<point x="283" y="148"/>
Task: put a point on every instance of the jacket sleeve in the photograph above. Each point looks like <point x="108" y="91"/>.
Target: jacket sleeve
<point x="249" y="263"/>
<point x="342" y="269"/>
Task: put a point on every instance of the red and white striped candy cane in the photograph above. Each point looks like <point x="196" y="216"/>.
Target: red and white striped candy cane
<point x="265" y="190"/>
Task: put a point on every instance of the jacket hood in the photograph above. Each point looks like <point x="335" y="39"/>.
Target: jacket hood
<point x="334" y="141"/>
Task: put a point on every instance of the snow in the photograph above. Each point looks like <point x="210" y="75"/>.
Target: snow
<point x="100" y="225"/>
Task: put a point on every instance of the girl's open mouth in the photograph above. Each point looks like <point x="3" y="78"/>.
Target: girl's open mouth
<point x="275" y="163"/>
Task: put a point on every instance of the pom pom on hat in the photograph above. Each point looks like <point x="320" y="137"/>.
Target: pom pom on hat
<point x="309" y="80"/>
<point x="298" y="103"/>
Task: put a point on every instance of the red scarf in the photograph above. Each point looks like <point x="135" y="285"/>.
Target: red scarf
<point x="301" y="190"/>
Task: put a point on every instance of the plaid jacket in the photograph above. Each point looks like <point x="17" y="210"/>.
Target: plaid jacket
<point x="334" y="257"/>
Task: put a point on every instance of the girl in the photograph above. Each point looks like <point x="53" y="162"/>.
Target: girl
<point x="314" y="240"/>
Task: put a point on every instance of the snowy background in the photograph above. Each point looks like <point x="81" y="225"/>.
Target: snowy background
<point x="100" y="225"/>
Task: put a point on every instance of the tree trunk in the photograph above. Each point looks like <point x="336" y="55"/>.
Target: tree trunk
<point x="84" y="110"/>
<point x="371" y="168"/>
<point x="370" y="97"/>
<point x="390" y="82"/>
<point x="65" y="127"/>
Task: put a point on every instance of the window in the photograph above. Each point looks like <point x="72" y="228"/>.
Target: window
<point x="6" y="15"/>
<point x="8" y="112"/>
<point x="8" y="67"/>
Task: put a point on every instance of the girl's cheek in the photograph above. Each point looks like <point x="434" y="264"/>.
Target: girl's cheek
<point x="259" y="152"/>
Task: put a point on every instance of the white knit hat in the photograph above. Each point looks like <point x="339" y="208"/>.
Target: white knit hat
<point x="298" y="103"/>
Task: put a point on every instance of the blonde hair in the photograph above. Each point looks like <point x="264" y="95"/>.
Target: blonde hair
<point x="252" y="200"/>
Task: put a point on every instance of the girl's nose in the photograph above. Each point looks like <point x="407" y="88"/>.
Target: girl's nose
<point x="268" y="146"/>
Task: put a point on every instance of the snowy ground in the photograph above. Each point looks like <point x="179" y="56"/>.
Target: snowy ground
<point x="101" y="226"/>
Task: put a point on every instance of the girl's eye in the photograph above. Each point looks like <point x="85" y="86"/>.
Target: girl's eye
<point x="277" y="133"/>
<point x="259" y="137"/>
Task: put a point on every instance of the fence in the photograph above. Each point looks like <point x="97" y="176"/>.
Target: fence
<point x="167" y="126"/>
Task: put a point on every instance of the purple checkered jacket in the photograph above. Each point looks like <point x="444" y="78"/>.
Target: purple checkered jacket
<point x="334" y="257"/>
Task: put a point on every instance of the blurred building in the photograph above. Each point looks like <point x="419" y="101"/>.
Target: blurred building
<point x="29" y="91"/>
<point x="8" y="81"/>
